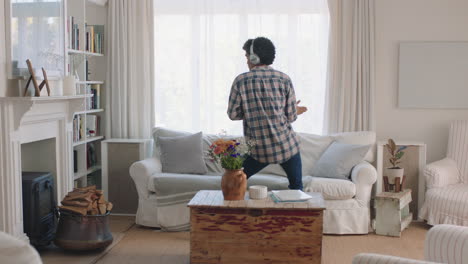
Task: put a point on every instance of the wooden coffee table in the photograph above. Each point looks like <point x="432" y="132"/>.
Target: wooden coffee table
<point x="255" y="231"/>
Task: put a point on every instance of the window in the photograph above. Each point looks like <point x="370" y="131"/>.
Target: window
<point x="198" y="53"/>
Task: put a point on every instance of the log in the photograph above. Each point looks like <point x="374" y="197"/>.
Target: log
<point x="76" y="203"/>
<point x="75" y="209"/>
<point x="102" y="208"/>
<point x="87" y="200"/>
<point x="102" y="200"/>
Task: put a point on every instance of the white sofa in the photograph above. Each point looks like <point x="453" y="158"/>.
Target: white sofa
<point x="443" y="244"/>
<point x="163" y="197"/>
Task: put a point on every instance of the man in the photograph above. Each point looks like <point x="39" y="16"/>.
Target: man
<point x="264" y="99"/>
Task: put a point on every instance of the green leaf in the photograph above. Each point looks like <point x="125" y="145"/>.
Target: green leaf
<point x="399" y="155"/>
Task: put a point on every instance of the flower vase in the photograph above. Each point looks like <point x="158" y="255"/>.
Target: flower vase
<point x="234" y="184"/>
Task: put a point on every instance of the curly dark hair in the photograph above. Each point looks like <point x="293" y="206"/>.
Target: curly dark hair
<point x="264" y="49"/>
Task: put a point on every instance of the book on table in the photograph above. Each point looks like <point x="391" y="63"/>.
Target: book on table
<point x="290" y="196"/>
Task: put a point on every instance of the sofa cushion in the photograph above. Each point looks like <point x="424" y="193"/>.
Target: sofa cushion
<point x="311" y="147"/>
<point x="182" y="154"/>
<point x="164" y="132"/>
<point x="338" y="160"/>
<point x="171" y="183"/>
<point x="359" y="138"/>
<point x="332" y="189"/>
<point x="207" y="139"/>
<point x="273" y="182"/>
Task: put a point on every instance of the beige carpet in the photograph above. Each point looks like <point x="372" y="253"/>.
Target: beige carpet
<point x="146" y="245"/>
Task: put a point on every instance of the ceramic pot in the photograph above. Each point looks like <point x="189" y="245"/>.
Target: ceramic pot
<point x="234" y="184"/>
<point x="392" y="173"/>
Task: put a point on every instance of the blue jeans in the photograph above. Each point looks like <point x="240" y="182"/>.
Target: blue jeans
<point x="292" y="167"/>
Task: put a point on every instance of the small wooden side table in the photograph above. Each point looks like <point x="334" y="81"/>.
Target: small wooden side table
<point x="392" y="212"/>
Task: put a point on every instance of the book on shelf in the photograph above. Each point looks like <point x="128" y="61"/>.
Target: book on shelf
<point x="75" y="161"/>
<point x="78" y="128"/>
<point x="92" y="125"/>
<point x="290" y="196"/>
<point x="73" y="33"/>
<point x="94" y="38"/>
<point x="95" y="90"/>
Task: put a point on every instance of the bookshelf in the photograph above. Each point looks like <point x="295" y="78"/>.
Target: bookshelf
<point x="85" y="24"/>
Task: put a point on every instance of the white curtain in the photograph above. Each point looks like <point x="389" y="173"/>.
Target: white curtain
<point x="350" y="81"/>
<point x="198" y="53"/>
<point x="130" y="80"/>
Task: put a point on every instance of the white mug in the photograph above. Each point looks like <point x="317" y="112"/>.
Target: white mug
<point x="258" y="192"/>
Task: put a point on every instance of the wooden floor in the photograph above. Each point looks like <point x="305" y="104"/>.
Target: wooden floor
<point x="147" y="245"/>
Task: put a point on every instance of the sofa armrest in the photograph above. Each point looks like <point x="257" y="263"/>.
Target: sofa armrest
<point x="446" y="244"/>
<point x="441" y="173"/>
<point x="141" y="171"/>
<point x="368" y="258"/>
<point x="364" y="175"/>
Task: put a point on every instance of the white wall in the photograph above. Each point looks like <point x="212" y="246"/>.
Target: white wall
<point x="414" y="20"/>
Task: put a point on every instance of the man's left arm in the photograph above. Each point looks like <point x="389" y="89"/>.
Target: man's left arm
<point x="235" y="111"/>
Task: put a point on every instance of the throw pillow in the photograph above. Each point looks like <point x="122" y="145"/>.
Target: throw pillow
<point x="182" y="154"/>
<point x="338" y="160"/>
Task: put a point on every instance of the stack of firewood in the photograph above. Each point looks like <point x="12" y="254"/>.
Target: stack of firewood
<point x="86" y="201"/>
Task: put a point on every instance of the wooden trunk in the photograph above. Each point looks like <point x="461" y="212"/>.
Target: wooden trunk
<point x="255" y="235"/>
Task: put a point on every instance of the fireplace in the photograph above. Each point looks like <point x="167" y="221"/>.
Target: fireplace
<point x="35" y="134"/>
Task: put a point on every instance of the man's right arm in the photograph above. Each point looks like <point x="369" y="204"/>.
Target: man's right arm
<point x="290" y="109"/>
<point x="235" y="111"/>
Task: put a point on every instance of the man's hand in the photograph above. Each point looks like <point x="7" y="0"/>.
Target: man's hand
<point x="300" y="109"/>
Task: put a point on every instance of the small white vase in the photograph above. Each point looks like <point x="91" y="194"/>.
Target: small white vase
<point x="393" y="173"/>
<point x="69" y="85"/>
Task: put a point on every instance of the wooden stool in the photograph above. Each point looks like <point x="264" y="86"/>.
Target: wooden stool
<point x="392" y="212"/>
<point x="397" y="187"/>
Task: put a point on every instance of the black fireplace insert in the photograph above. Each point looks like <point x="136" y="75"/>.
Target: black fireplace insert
<point x="39" y="207"/>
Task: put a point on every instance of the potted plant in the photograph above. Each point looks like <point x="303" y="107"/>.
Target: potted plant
<point x="396" y="153"/>
<point x="231" y="155"/>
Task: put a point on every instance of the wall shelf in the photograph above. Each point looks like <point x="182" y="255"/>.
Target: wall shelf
<point x="85" y="53"/>
<point x="90" y="82"/>
<point x="78" y="175"/>
<point x="84" y="29"/>
<point x="87" y="140"/>
<point x="89" y="111"/>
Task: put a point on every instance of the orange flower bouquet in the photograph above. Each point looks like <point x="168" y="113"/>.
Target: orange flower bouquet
<point x="230" y="153"/>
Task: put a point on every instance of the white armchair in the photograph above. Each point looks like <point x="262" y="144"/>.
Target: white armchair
<point x="446" y="199"/>
<point x="16" y="251"/>
<point x="443" y="244"/>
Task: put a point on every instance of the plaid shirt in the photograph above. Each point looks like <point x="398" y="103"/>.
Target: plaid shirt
<point x="264" y="99"/>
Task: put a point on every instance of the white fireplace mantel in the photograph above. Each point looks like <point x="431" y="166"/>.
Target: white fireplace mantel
<point x="25" y="120"/>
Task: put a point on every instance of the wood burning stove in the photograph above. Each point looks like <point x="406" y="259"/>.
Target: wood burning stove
<point x="39" y="207"/>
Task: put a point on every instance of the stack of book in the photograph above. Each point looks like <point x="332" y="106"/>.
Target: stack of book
<point x="73" y="32"/>
<point x="78" y="128"/>
<point x="94" y="102"/>
<point x="289" y="196"/>
<point x="95" y="38"/>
